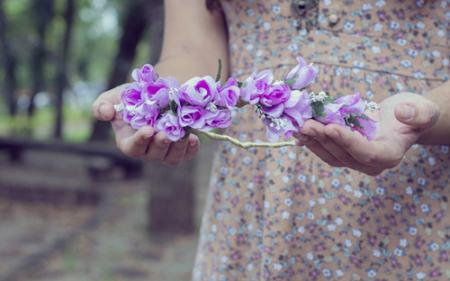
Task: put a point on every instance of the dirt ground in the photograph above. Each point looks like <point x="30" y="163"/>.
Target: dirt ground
<point x="105" y="241"/>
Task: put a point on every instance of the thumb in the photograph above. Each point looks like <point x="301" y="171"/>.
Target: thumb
<point x="419" y="115"/>
<point x="103" y="107"/>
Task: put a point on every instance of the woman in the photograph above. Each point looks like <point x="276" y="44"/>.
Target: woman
<point x="285" y="214"/>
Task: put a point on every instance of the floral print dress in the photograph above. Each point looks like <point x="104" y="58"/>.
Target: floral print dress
<point x="282" y="214"/>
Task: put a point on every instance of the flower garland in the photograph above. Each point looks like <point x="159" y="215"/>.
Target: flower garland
<point x="203" y="104"/>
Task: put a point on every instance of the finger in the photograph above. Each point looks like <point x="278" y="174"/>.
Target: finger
<point x="338" y="151"/>
<point x="103" y="106"/>
<point x="340" y="154"/>
<point x="317" y="131"/>
<point x="419" y="115"/>
<point x="136" y="144"/>
<point x="158" y="148"/>
<point x="301" y="138"/>
<point x="322" y="153"/>
<point x="192" y="147"/>
<point x="176" y="152"/>
<point x="370" y="153"/>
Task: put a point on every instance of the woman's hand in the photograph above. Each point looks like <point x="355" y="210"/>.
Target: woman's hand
<point x="145" y="142"/>
<point x="402" y="118"/>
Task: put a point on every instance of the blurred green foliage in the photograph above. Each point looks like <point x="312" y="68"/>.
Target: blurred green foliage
<point x="95" y="42"/>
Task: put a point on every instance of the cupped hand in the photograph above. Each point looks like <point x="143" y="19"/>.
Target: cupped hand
<point x="402" y="120"/>
<point x="145" y="142"/>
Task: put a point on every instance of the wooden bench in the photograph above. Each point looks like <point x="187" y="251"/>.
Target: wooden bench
<point x="15" y="148"/>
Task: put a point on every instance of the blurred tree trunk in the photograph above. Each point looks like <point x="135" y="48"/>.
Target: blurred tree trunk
<point x="139" y="14"/>
<point x="9" y="62"/>
<point x="43" y="13"/>
<point x="61" y="76"/>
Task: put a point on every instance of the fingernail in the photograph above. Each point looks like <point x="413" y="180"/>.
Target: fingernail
<point x="407" y="112"/>
<point x="166" y="141"/>
<point x="193" y="144"/>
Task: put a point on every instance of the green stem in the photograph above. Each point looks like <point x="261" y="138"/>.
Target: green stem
<point x="245" y="145"/>
<point x="219" y="71"/>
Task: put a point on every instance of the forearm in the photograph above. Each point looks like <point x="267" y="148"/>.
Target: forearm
<point x="194" y="40"/>
<point x="440" y="132"/>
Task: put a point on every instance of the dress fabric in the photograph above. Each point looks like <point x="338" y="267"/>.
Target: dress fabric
<point x="283" y="214"/>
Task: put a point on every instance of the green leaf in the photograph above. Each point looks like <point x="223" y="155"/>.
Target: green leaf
<point x="290" y="82"/>
<point x="318" y="109"/>
<point x="174" y="107"/>
<point x="352" y="121"/>
<point x="240" y="84"/>
<point x="219" y="71"/>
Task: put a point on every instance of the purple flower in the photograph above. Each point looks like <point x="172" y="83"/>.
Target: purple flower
<point x="278" y="127"/>
<point x="298" y="107"/>
<point x="198" y="91"/>
<point x="274" y="111"/>
<point x="159" y="91"/>
<point x="277" y="94"/>
<point x="335" y="112"/>
<point x="169" y="124"/>
<point x="366" y="126"/>
<point x="218" y="119"/>
<point x="191" y="116"/>
<point x="145" y="114"/>
<point x="228" y="94"/>
<point x="349" y="111"/>
<point x="145" y="74"/>
<point x="127" y="116"/>
<point x="351" y="104"/>
<point x="331" y="114"/>
<point x="256" y="85"/>
<point x="301" y="75"/>
<point x="132" y="95"/>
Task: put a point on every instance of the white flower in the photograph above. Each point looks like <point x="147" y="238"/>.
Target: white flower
<point x="372" y="106"/>
<point x="409" y="190"/>
<point x="376" y="49"/>
<point x="348" y="243"/>
<point x="398" y="252"/>
<point x="320" y="97"/>
<point x="434" y="247"/>
<point x="380" y="3"/>
<point x="288" y="202"/>
<point x="357" y="232"/>
<point x="331" y="227"/>
<point x="211" y="107"/>
<point x="420" y="25"/>
<point x="403" y="243"/>
<point x="378" y="27"/>
<point x="277" y="267"/>
<point x="326" y="272"/>
<point x="119" y="107"/>
<point x="394" y="25"/>
<point x="276" y="9"/>
<point x="420" y="275"/>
